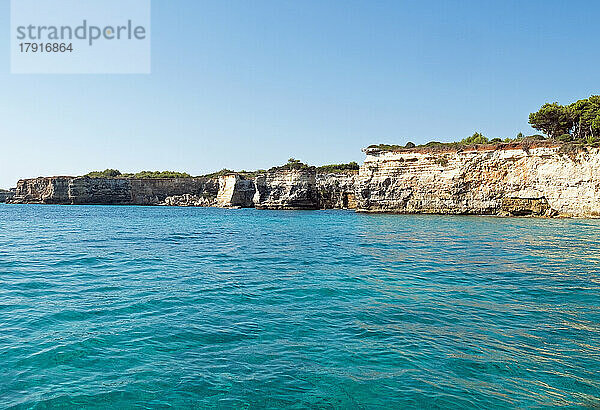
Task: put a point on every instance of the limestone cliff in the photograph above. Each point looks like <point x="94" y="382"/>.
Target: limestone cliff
<point x="49" y="190"/>
<point x="521" y="179"/>
<point x="337" y="190"/>
<point x="155" y="191"/>
<point x="289" y="189"/>
<point x="542" y="180"/>
<point x="286" y="189"/>
<point x="109" y="191"/>
<point x="275" y="189"/>
<point x="189" y="200"/>
<point x="235" y="191"/>
<point x="6" y="195"/>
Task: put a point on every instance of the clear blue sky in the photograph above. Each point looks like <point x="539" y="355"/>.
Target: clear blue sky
<point x="248" y="84"/>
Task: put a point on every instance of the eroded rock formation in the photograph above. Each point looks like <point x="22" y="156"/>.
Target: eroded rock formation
<point x="189" y="200"/>
<point x="6" y="195"/>
<point x="235" y="191"/>
<point x="526" y="207"/>
<point x="110" y="191"/>
<point x="495" y="180"/>
<point x="287" y="189"/>
<point x="337" y="190"/>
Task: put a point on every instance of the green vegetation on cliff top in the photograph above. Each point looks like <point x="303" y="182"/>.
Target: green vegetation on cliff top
<point x="158" y="174"/>
<point x="475" y="139"/>
<point x="295" y="164"/>
<point x="338" y="168"/>
<point x="577" y="124"/>
<point x="107" y="173"/>
<point x="115" y="173"/>
<point x="292" y="164"/>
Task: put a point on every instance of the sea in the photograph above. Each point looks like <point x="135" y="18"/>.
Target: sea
<point x="162" y="307"/>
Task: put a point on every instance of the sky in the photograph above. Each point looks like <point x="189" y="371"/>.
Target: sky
<point x="249" y="84"/>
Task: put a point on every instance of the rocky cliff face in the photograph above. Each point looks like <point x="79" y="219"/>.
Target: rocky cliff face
<point x="520" y="180"/>
<point x="110" y="191"/>
<point x="337" y="190"/>
<point x="289" y="189"/>
<point x="42" y="190"/>
<point x="189" y="200"/>
<point x="155" y="191"/>
<point x="235" y="191"/>
<point x="276" y="189"/>
<point x="6" y="195"/>
<point x="286" y="189"/>
<point x="505" y="180"/>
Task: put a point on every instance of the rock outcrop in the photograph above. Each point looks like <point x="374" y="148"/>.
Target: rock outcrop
<point x="275" y="189"/>
<point x="189" y="200"/>
<point x="542" y="180"/>
<point x="289" y="189"/>
<point x="51" y="190"/>
<point x="526" y="207"/>
<point x="337" y="190"/>
<point x="5" y="195"/>
<point x="110" y="191"/>
<point x="235" y="191"/>
<point x="153" y="191"/>
<point x="286" y="189"/>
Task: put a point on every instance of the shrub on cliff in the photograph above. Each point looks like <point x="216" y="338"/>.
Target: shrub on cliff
<point x="536" y="137"/>
<point x="386" y="147"/>
<point x="252" y="174"/>
<point x="161" y="174"/>
<point x="292" y="164"/>
<point x="338" y="168"/>
<point x="220" y="173"/>
<point x="107" y="173"/>
<point x="476" y="138"/>
<point x="565" y="138"/>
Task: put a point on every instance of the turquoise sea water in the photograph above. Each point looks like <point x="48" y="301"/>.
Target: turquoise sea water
<point x="133" y="307"/>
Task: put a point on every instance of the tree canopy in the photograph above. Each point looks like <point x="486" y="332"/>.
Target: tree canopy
<point x="578" y="121"/>
<point x="552" y="119"/>
<point x="476" y="138"/>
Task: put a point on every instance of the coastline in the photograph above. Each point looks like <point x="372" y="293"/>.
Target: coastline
<point x="538" y="179"/>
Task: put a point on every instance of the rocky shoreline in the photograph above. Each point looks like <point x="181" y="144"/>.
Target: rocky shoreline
<point x="6" y="196"/>
<point x="543" y="180"/>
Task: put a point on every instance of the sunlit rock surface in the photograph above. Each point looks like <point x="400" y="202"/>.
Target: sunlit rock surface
<point x="539" y="179"/>
<point x="286" y="189"/>
<point x="497" y="180"/>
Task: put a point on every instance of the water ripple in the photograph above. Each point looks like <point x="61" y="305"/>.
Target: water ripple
<point x="126" y="307"/>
